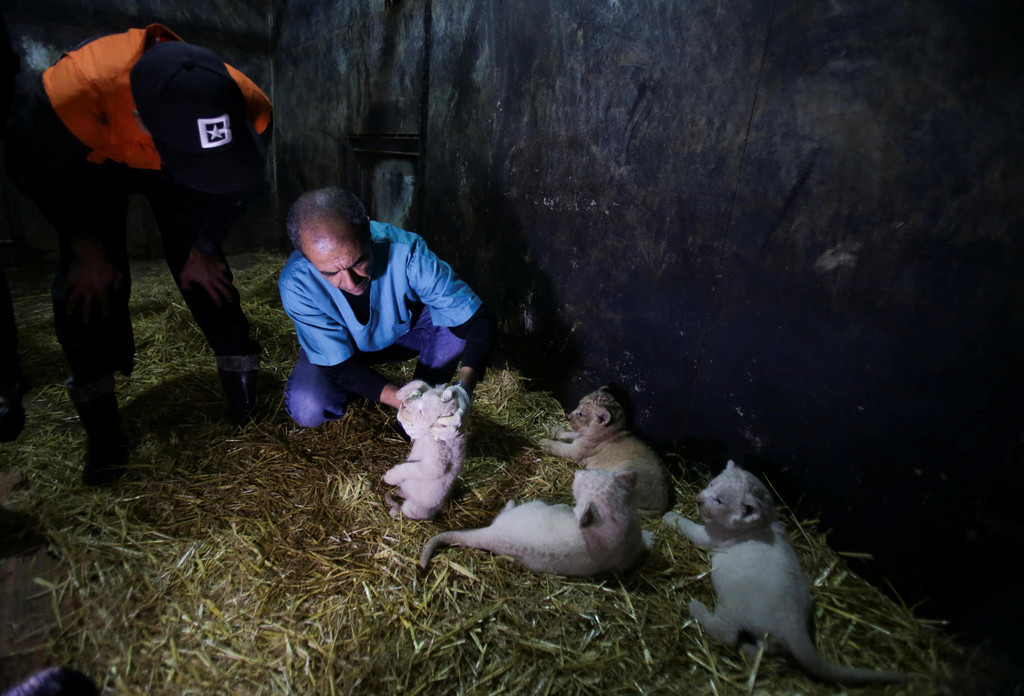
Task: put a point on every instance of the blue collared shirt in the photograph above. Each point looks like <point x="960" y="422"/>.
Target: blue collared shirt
<point x="405" y="272"/>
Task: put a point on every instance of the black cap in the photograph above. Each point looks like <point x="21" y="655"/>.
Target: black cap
<point x="195" y="112"/>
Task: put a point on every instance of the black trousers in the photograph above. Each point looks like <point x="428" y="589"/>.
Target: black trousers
<point x="9" y="372"/>
<point x="106" y="343"/>
<point x="84" y="199"/>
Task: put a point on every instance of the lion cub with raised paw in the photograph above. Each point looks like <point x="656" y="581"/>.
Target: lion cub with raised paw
<point x="599" y="439"/>
<point x="601" y="535"/>
<point x="425" y="479"/>
<point x="757" y="578"/>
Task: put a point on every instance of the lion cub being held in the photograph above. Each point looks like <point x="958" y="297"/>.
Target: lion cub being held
<point x="600" y="535"/>
<point x="757" y="577"/>
<point x="426" y="477"/>
<point x="599" y="439"/>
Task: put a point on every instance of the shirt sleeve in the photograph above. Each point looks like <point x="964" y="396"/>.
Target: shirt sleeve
<point x="327" y="341"/>
<point x="478" y="333"/>
<point x="451" y="300"/>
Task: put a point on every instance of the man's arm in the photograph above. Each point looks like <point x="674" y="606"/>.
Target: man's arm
<point x="359" y="378"/>
<point x="478" y="333"/>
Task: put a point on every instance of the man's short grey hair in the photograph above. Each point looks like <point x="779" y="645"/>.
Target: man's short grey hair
<point x="331" y="202"/>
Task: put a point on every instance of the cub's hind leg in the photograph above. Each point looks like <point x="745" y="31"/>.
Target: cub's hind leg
<point x="750" y="649"/>
<point x="394" y="503"/>
<point x="721" y="630"/>
<point x="398" y="473"/>
<point x="416" y="511"/>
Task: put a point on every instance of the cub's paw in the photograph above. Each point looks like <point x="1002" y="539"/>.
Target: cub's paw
<point x="670" y="519"/>
<point x="699" y="611"/>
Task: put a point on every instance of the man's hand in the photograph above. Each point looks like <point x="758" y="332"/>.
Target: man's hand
<point x="208" y="272"/>
<point x="90" y="280"/>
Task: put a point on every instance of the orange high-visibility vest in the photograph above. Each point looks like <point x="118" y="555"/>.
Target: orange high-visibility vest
<point x="90" y="91"/>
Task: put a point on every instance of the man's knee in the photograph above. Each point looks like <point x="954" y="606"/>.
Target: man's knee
<point x="304" y="412"/>
<point x="307" y="418"/>
<point x="309" y="411"/>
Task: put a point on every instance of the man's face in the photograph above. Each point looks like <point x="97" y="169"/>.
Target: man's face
<point x="334" y="249"/>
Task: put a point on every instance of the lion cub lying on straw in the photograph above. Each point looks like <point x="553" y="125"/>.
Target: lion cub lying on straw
<point x="599" y="440"/>
<point x="426" y="477"/>
<point x="757" y="577"/>
<point x="600" y="535"/>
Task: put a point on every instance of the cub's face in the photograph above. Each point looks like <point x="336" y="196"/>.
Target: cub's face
<point x="596" y="412"/>
<point x="419" y="412"/>
<point x="736" y="500"/>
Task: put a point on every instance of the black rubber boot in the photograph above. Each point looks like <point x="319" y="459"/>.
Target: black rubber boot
<point x="106" y="455"/>
<point x="240" y="388"/>
<point x="12" y="414"/>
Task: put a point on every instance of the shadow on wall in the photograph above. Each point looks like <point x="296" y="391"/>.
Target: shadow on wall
<point x="690" y="459"/>
<point x="517" y="290"/>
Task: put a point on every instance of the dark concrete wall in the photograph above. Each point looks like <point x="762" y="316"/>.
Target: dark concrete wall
<point x="238" y="30"/>
<point x="344" y="69"/>
<point x="790" y="230"/>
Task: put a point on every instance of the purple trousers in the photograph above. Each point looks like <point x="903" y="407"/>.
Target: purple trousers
<point x="312" y="397"/>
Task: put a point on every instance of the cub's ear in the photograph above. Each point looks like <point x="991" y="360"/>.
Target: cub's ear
<point x="626" y="478"/>
<point x="751" y="510"/>
<point x="730" y="465"/>
<point x="406" y="391"/>
<point x="602" y="415"/>
<point x="587" y="516"/>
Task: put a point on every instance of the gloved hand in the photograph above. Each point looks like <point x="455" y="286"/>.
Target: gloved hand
<point x="459" y="393"/>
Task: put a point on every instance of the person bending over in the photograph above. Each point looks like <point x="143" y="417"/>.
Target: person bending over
<point x="140" y="113"/>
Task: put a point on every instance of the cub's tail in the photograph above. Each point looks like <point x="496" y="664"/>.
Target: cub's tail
<point x="454" y="538"/>
<point x="811" y="660"/>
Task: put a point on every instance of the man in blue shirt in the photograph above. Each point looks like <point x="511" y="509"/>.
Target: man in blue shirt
<point x="362" y="292"/>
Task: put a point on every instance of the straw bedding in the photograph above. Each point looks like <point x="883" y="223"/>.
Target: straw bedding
<point x="263" y="560"/>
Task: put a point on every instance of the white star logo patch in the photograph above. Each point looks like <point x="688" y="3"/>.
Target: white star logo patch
<point x="214" y="132"/>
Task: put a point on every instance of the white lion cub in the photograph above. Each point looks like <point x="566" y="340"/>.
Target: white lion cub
<point x="599" y="439"/>
<point x="757" y="577"/>
<point x="425" y="479"/>
<point x="601" y="535"/>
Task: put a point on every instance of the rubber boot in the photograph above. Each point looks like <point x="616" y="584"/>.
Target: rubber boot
<point x="106" y="455"/>
<point x="12" y="413"/>
<point x="240" y="388"/>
